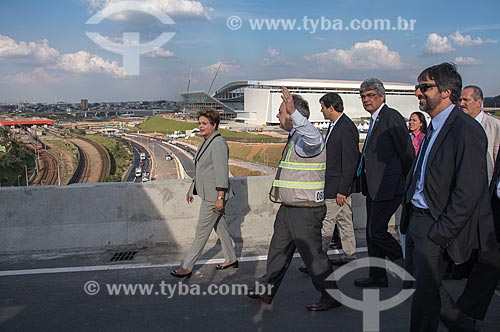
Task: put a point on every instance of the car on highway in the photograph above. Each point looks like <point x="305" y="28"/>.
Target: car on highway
<point x="138" y="171"/>
<point x="168" y="157"/>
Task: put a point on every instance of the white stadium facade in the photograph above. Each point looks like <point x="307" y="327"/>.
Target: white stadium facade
<point x="257" y="102"/>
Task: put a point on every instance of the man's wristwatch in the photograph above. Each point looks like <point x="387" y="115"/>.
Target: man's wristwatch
<point x="220" y="197"/>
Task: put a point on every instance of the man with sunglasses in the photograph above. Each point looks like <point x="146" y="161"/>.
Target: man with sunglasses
<point x="446" y="211"/>
<point x="386" y="159"/>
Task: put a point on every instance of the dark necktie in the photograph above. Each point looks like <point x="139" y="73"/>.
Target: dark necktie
<point x="330" y="125"/>
<point x="361" y="160"/>
<point x="418" y="169"/>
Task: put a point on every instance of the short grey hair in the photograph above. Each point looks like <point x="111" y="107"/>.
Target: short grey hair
<point x="301" y="105"/>
<point x="477" y="93"/>
<point x="372" y="84"/>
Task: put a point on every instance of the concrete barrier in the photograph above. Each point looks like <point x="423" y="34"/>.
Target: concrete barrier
<point x="102" y="215"/>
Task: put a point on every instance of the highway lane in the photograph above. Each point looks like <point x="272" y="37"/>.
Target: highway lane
<point x="163" y="169"/>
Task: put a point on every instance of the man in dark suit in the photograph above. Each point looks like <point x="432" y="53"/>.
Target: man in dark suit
<point x="385" y="161"/>
<point x="447" y="211"/>
<point x="342" y="158"/>
<point x="495" y="196"/>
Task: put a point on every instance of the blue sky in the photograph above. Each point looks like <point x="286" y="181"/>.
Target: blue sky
<point x="45" y="55"/>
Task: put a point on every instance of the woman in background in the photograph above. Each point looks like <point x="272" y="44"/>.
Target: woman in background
<point x="417" y="126"/>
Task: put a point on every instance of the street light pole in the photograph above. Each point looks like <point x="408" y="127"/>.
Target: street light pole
<point x="26" y="172"/>
<point x="36" y="160"/>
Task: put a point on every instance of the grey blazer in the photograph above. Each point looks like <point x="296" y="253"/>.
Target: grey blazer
<point x="491" y="126"/>
<point x="212" y="169"/>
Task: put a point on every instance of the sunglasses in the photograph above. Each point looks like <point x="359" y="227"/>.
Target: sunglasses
<point x="424" y="86"/>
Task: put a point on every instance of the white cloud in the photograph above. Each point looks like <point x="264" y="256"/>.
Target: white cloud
<point x="84" y="62"/>
<point x="467" y="40"/>
<point x="437" y="45"/>
<point x="224" y="67"/>
<point x="372" y="54"/>
<point x="274" y="58"/>
<point x="41" y="53"/>
<point x="159" y="53"/>
<point x="37" y="75"/>
<point x="459" y="60"/>
<point x="178" y="8"/>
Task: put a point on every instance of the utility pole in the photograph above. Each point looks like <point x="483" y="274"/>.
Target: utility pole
<point x="26" y="172"/>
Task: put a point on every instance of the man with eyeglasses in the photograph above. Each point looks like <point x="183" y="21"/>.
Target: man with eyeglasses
<point x="446" y="211"/>
<point x="386" y="159"/>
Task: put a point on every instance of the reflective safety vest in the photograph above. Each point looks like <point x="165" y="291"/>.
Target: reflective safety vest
<point x="299" y="181"/>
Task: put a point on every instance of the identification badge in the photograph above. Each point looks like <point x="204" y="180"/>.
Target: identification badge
<point x="320" y="196"/>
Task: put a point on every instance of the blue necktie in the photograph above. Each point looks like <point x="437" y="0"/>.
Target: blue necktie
<point x="360" y="166"/>
<point x="418" y="170"/>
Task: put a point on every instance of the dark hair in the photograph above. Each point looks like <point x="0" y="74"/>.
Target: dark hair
<point x="212" y="116"/>
<point x="333" y="99"/>
<point x="422" y="119"/>
<point x="446" y="77"/>
<point x="301" y="105"/>
<point x="477" y="93"/>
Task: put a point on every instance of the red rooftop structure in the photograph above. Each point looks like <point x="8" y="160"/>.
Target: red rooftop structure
<point x="26" y="122"/>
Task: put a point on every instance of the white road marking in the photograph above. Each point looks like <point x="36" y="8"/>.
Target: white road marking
<point x="72" y="269"/>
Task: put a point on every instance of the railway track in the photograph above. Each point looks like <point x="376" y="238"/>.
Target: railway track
<point x="94" y="162"/>
<point x="49" y="173"/>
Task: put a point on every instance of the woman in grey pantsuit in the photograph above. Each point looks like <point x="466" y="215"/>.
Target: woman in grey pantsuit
<point x="211" y="183"/>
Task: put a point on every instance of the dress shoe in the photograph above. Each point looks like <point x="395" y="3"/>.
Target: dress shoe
<point x="343" y="260"/>
<point x="371" y="282"/>
<point x="303" y="269"/>
<point x="263" y="297"/>
<point x="223" y="267"/>
<point x="323" y="306"/>
<point x="177" y="275"/>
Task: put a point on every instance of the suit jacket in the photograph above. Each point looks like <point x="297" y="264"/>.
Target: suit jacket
<point x="491" y="126"/>
<point x="495" y="201"/>
<point x="388" y="157"/>
<point x="211" y="168"/>
<point x="342" y="158"/>
<point x="456" y="189"/>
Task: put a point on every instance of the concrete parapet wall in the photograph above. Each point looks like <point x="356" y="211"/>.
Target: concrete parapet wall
<point x="84" y="216"/>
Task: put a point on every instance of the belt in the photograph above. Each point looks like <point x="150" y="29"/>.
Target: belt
<point x="421" y="211"/>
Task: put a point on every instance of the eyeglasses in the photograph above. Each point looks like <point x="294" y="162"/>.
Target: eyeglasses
<point x="368" y="95"/>
<point x="424" y="86"/>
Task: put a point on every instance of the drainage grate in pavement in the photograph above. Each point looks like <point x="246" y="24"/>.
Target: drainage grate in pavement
<point x="123" y="256"/>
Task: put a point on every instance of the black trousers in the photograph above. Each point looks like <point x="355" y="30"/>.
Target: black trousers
<point x="431" y="301"/>
<point x="298" y="228"/>
<point x="380" y="242"/>
<point x="481" y="285"/>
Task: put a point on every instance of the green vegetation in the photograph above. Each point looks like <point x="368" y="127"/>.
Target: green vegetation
<point x="168" y="126"/>
<point x="247" y="137"/>
<point x="165" y="126"/>
<point x="120" y="154"/>
<point x="78" y="131"/>
<point x="13" y="160"/>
